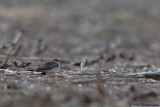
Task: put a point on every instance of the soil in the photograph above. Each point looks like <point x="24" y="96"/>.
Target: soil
<point x="116" y="37"/>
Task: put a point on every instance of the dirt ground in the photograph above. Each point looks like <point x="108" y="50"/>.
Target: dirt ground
<point x="118" y="38"/>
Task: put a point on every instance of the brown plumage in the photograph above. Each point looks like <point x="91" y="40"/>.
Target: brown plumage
<point x="48" y="66"/>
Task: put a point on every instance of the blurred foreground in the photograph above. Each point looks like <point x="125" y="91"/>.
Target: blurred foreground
<point x="119" y="39"/>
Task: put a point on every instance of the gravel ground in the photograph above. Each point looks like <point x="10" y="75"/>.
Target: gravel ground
<point x="118" y="38"/>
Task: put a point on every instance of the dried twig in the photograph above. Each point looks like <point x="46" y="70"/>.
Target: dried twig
<point x="93" y="61"/>
<point x="111" y="58"/>
<point x="29" y="72"/>
<point x="11" y="51"/>
<point x="153" y="75"/>
<point x="83" y="64"/>
<point x="89" y="62"/>
<point x="37" y="48"/>
<point x="17" y="50"/>
<point x="8" y="71"/>
<point x="100" y="86"/>
<point x="58" y="75"/>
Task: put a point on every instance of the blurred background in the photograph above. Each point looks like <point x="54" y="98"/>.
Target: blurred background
<point x="118" y="38"/>
<point x="82" y="28"/>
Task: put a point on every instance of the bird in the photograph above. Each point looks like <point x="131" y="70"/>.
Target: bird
<point x="51" y="66"/>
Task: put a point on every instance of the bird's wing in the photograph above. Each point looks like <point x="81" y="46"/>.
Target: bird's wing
<point x="47" y="66"/>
